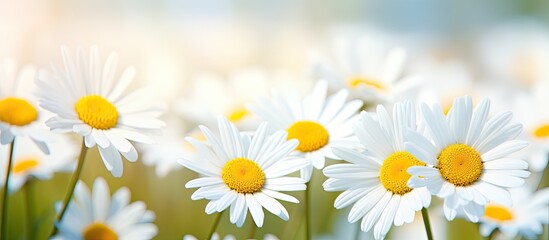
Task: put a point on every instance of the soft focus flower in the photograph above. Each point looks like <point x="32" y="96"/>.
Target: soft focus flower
<point x="229" y="237"/>
<point x="212" y="96"/>
<point x="19" y="113"/>
<point x="88" y="100"/>
<point x="245" y="173"/>
<point x="526" y="217"/>
<point x="375" y="180"/>
<point x="532" y="110"/>
<point x="516" y="53"/>
<point x="468" y="157"/>
<point x="317" y="121"/>
<point x="96" y="215"/>
<point x="446" y="78"/>
<point x="30" y="162"/>
<point x="368" y="70"/>
<point x="164" y="154"/>
<point x="214" y="237"/>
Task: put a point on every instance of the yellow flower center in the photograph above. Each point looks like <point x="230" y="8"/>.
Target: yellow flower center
<point x="355" y="82"/>
<point x="237" y="114"/>
<point x="311" y="135"/>
<point x="542" y="131"/>
<point x="393" y="173"/>
<point x="24" y="165"/>
<point x="99" y="231"/>
<point x="97" y="112"/>
<point x="243" y="175"/>
<point x="446" y="109"/>
<point x="17" y="111"/>
<point x="498" y="213"/>
<point x="460" y="164"/>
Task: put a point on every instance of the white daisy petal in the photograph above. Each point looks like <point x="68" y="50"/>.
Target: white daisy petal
<point x="348" y="197"/>
<point x="477" y="121"/>
<point x="125" y="221"/>
<point x="386" y="219"/>
<point x="503" y="150"/>
<point x="366" y="203"/>
<point x="232" y="159"/>
<point x="255" y="210"/>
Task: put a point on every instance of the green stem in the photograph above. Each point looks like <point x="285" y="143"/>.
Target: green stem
<point x="291" y="230"/>
<point x="30" y="207"/>
<point x="307" y="210"/>
<point x="214" y="226"/>
<point x="5" y="193"/>
<point x="74" y="180"/>
<point x="427" y="223"/>
<point x="251" y="234"/>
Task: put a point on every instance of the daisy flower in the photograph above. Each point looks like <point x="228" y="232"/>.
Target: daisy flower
<point x="532" y="110"/>
<point x="317" y="121"/>
<point x="215" y="236"/>
<point x="468" y="157"/>
<point x="165" y="153"/>
<point x="375" y="180"/>
<point x="245" y="173"/>
<point x="19" y="112"/>
<point x="96" y="215"/>
<point x="516" y="53"/>
<point x="213" y="95"/>
<point x="88" y="100"/>
<point x="30" y="162"/>
<point x="369" y="70"/>
<point x="228" y="237"/>
<point x="526" y="217"/>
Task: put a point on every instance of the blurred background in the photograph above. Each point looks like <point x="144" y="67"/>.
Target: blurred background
<point x="175" y="43"/>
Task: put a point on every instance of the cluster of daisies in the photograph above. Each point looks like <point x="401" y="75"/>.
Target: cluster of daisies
<point x="393" y="150"/>
<point x="86" y="97"/>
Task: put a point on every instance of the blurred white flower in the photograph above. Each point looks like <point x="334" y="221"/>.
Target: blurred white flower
<point x="445" y="79"/>
<point x="318" y="121"/>
<point x="215" y="236"/>
<point x="468" y="157"/>
<point x="243" y="173"/>
<point x="526" y="217"/>
<point x="516" y="53"/>
<point x="19" y="112"/>
<point x="368" y="70"/>
<point x="96" y="215"/>
<point x="88" y="100"/>
<point x="30" y="162"/>
<point x="228" y="237"/>
<point x="170" y="147"/>
<point x="212" y="96"/>
<point x="533" y="112"/>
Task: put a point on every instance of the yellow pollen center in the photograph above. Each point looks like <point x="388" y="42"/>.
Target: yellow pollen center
<point x="311" y="135"/>
<point x="97" y="112"/>
<point x="498" y="213"/>
<point x="24" y="165"/>
<point x="99" y="231"/>
<point x="17" y="111"/>
<point x="447" y="109"/>
<point x="393" y="173"/>
<point x="243" y="175"/>
<point x="542" y="131"/>
<point x="237" y="114"/>
<point x="355" y="82"/>
<point x="460" y="165"/>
